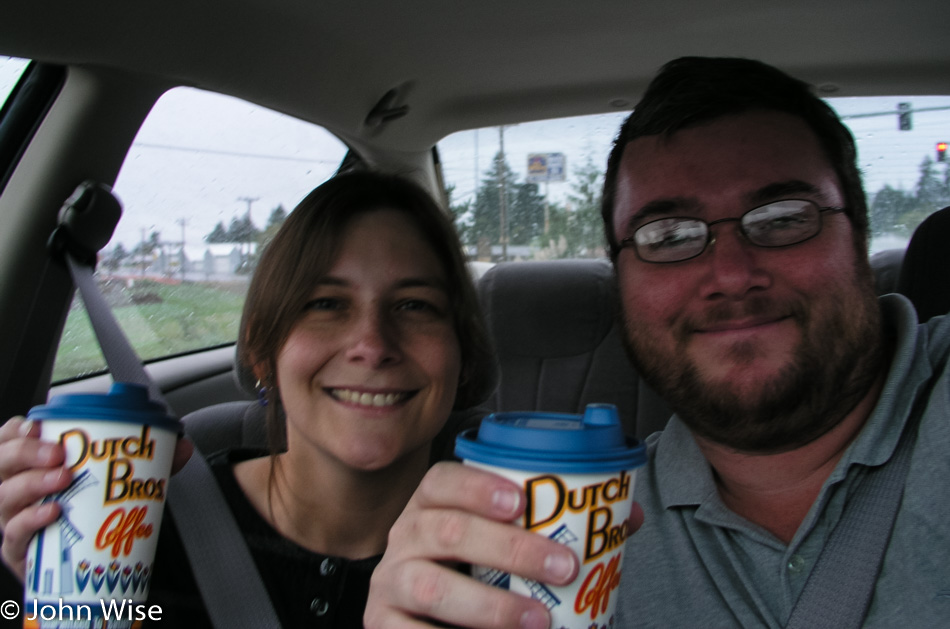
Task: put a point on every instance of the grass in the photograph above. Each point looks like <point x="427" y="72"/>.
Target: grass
<point x="169" y="319"/>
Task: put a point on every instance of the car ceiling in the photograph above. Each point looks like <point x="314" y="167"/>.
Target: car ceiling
<point x="459" y="65"/>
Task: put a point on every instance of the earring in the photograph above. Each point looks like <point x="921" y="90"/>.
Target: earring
<point x="261" y="393"/>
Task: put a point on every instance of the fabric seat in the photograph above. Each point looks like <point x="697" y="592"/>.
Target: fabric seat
<point x="558" y="342"/>
<point x="925" y="272"/>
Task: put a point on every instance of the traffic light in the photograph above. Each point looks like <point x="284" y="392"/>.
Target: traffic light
<point x="941" y="151"/>
<point x="904" y="122"/>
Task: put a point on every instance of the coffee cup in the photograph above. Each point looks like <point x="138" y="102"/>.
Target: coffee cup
<point x="578" y="474"/>
<point x="92" y="566"/>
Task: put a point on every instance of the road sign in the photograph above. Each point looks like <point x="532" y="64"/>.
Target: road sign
<point x="546" y="167"/>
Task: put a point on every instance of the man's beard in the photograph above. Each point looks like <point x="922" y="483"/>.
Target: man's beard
<point x="836" y="362"/>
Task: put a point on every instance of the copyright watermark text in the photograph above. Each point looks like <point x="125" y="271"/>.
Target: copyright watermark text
<point x="113" y="610"/>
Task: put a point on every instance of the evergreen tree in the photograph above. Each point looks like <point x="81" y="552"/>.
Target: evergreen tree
<point x="114" y="259"/>
<point x="889" y="209"/>
<point x="461" y="215"/>
<point x="524" y="208"/>
<point x="586" y="232"/>
<point x="242" y="230"/>
<point x="277" y="217"/>
<point x="218" y="234"/>
<point x="932" y="190"/>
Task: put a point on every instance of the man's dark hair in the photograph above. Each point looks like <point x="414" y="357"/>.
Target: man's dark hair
<point x="694" y="90"/>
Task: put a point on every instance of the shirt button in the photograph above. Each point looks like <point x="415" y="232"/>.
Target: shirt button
<point x="796" y="563"/>
<point x="319" y="606"/>
<point x="327" y="568"/>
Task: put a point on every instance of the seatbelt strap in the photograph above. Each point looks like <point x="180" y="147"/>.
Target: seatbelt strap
<point x="227" y="577"/>
<point x="839" y="589"/>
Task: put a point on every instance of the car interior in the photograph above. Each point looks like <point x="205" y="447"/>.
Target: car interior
<point x="392" y="83"/>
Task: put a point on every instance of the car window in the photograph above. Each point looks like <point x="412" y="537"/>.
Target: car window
<point x="205" y="184"/>
<point x="11" y="69"/>
<point x="552" y="172"/>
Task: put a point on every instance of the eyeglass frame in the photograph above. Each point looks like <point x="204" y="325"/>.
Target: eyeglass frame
<point x="630" y="241"/>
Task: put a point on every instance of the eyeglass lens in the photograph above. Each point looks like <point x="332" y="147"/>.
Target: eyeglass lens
<point x="776" y="224"/>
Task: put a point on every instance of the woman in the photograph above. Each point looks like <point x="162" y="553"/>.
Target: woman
<point x="362" y="326"/>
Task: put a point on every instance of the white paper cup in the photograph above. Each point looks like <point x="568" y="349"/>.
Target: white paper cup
<point x="92" y="567"/>
<point x="578" y="473"/>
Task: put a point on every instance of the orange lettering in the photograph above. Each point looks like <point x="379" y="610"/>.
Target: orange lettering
<point x="594" y="593"/>
<point x="120" y="530"/>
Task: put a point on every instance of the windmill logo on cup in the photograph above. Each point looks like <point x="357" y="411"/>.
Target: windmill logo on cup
<point x="90" y="568"/>
<point x="578" y="474"/>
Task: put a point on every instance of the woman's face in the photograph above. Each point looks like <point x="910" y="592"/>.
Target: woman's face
<point x="369" y="373"/>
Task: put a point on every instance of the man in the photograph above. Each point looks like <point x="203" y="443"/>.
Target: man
<point x="738" y="229"/>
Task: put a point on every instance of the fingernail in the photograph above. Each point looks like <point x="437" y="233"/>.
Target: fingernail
<point x="505" y="502"/>
<point x="53" y="476"/>
<point x="559" y="566"/>
<point x="534" y="619"/>
<point x="26" y="427"/>
<point x="45" y="452"/>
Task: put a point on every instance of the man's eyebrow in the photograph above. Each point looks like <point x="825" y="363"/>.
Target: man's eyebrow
<point x="659" y="208"/>
<point x="780" y="189"/>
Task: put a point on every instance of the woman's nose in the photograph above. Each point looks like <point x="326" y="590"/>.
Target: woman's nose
<point x="373" y="340"/>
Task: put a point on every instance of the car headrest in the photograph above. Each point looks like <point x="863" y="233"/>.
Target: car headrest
<point x="925" y="271"/>
<point x="559" y="345"/>
<point x="548" y="309"/>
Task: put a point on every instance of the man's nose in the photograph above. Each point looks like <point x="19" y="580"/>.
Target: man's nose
<point x="734" y="264"/>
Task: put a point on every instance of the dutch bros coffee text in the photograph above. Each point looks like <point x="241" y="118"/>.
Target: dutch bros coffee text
<point x="602" y="534"/>
<point x="120" y="455"/>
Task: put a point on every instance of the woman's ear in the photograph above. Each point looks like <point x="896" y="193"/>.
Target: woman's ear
<point x="261" y="373"/>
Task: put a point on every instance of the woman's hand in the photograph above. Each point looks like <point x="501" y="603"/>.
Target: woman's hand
<point x="30" y="470"/>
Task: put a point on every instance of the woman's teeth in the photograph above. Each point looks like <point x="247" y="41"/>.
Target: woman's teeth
<point x="368" y="399"/>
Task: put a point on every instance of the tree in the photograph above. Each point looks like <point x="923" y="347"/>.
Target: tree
<point x="888" y="210"/>
<point x="526" y="215"/>
<point x="218" y="234"/>
<point x="461" y="215"/>
<point x="114" y="259"/>
<point x="899" y="212"/>
<point x="242" y="230"/>
<point x="932" y="190"/>
<point x="277" y="217"/>
<point x="586" y="233"/>
<point x="524" y="208"/>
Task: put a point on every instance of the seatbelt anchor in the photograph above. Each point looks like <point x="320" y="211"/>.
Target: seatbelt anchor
<point x="86" y="222"/>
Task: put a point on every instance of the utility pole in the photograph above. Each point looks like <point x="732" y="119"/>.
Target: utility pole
<point x="503" y="194"/>
<point x="182" y="222"/>
<point x="249" y="201"/>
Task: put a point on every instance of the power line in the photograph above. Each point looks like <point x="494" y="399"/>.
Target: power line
<point x="189" y="149"/>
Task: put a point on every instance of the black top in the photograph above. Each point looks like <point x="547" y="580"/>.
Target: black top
<point x="307" y="589"/>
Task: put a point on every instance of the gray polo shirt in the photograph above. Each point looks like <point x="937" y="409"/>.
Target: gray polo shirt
<point x="695" y="563"/>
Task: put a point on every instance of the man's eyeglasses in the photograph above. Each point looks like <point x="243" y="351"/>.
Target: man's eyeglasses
<point x="777" y="224"/>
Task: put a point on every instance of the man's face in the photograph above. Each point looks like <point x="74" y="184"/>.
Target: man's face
<point x="758" y="349"/>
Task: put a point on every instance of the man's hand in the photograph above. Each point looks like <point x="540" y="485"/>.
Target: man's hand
<point x="462" y="515"/>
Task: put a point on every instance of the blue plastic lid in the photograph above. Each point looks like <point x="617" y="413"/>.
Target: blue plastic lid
<point x="125" y="402"/>
<point x="553" y="442"/>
